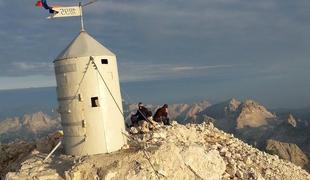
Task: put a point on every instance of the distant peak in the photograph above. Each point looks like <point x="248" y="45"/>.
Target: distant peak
<point x="234" y="101"/>
<point x="204" y="103"/>
<point x="291" y="120"/>
<point x="233" y="105"/>
<point x="251" y="104"/>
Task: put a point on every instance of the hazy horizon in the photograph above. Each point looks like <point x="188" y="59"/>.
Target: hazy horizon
<point x="134" y="93"/>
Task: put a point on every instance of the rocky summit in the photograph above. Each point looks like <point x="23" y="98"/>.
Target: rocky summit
<point x="192" y="151"/>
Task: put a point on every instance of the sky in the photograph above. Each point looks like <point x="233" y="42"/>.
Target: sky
<point x="178" y="49"/>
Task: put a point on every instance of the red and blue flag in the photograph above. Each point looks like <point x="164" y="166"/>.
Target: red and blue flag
<point x="43" y="3"/>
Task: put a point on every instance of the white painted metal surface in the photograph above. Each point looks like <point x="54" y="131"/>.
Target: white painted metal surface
<point x="91" y="120"/>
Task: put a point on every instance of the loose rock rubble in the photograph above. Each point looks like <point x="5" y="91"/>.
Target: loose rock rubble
<point x="168" y="152"/>
<point x="12" y="155"/>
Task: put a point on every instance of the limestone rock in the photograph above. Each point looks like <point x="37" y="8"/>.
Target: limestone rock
<point x="239" y="174"/>
<point x="11" y="155"/>
<point x="170" y="152"/>
<point x="45" y="145"/>
<point x="10" y="125"/>
<point x="133" y="130"/>
<point x="208" y="165"/>
<point x="253" y="114"/>
<point x="287" y="151"/>
<point x="291" y="120"/>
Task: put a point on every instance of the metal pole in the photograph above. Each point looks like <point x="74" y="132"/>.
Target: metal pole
<point x="82" y="21"/>
<point x="52" y="151"/>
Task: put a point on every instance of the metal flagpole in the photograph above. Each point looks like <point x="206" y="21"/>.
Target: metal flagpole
<point x="82" y="20"/>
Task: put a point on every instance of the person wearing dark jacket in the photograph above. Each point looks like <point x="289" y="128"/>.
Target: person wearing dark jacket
<point x="141" y="115"/>
<point x="161" y="115"/>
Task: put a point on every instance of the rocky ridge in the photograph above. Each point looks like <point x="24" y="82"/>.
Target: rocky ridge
<point x="13" y="154"/>
<point x="254" y="124"/>
<point x="290" y="152"/>
<point x="291" y="120"/>
<point x="247" y="120"/>
<point x="189" y="151"/>
<point x="252" y="114"/>
<point x="28" y="127"/>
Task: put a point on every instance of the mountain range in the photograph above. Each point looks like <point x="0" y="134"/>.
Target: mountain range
<point x="285" y="133"/>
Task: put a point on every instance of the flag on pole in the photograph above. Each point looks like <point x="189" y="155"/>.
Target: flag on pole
<point x="66" y="12"/>
<point x="62" y="11"/>
<point x="43" y="3"/>
<point x="39" y="4"/>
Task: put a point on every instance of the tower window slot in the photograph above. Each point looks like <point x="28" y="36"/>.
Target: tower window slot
<point x="94" y="102"/>
<point x="104" y="61"/>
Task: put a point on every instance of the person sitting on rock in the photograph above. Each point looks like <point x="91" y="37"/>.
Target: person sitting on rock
<point x="142" y="114"/>
<point x="161" y="115"/>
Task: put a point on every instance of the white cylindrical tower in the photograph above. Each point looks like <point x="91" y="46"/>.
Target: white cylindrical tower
<point x="89" y="97"/>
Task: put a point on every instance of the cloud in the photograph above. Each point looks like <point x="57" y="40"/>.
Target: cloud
<point x="27" y="82"/>
<point x="175" y="39"/>
<point x="208" y="17"/>
<point x="16" y="69"/>
<point x="24" y="66"/>
<point x="191" y="68"/>
<point x="130" y="72"/>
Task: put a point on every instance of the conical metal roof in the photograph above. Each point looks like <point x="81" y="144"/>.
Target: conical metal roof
<point x="84" y="45"/>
